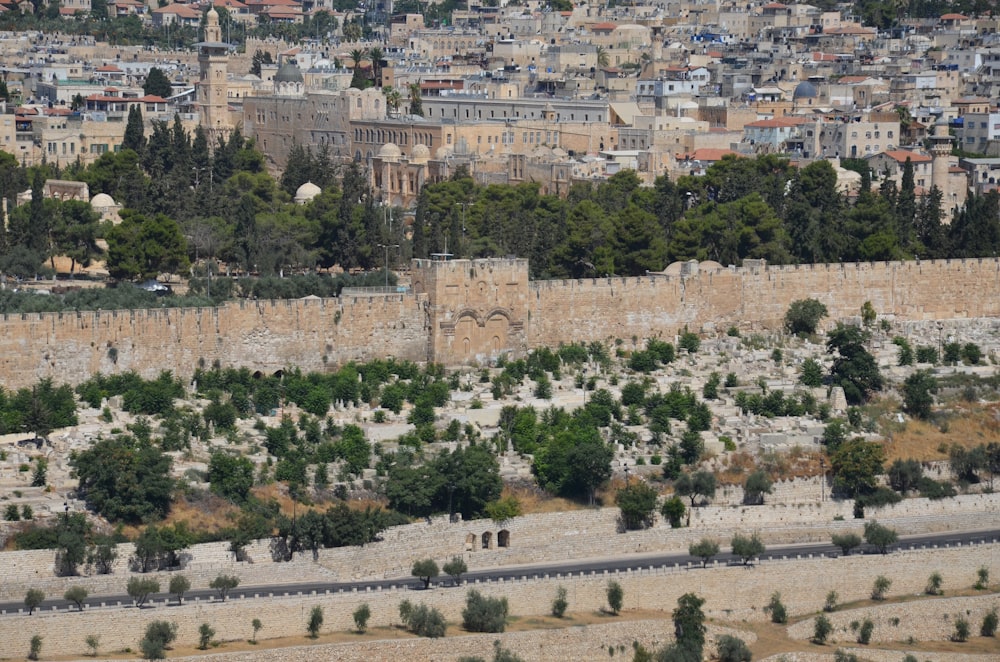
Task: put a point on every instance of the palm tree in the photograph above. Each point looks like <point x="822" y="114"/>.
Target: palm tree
<point x="376" y="54"/>
<point x="603" y="58"/>
<point x="393" y="99"/>
<point x="358" y="80"/>
<point x="416" y="104"/>
<point x="357" y="55"/>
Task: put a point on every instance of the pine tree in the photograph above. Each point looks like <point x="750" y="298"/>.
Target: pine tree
<point x="157" y="84"/>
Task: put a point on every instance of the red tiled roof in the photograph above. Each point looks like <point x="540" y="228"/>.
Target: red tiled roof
<point x="603" y="27"/>
<point x="953" y="17"/>
<point x="109" y="68"/>
<point x="900" y="156"/>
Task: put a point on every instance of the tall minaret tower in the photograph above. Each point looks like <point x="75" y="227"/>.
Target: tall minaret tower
<point x="940" y="155"/>
<point x="213" y="59"/>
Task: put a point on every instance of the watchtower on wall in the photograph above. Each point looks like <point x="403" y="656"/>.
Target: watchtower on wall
<point x="476" y="310"/>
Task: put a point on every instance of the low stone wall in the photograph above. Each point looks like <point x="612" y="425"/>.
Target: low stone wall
<point x="588" y="642"/>
<point x="734" y="593"/>
<point x="578" y="534"/>
<point x="930" y="619"/>
<point x="875" y="655"/>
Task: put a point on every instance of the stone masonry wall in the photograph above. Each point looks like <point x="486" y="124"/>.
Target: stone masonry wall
<point x="579" y="534"/>
<point x="757" y="297"/>
<point x="466" y="311"/>
<point x="737" y="593"/>
<point x="260" y="335"/>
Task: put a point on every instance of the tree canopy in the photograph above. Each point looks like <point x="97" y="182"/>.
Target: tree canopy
<point x="124" y="479"/>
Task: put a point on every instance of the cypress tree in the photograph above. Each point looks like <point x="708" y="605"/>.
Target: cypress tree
<point x="135" y="135"/>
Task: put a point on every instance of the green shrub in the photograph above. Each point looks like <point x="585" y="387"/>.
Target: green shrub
<point x="821" y="629"/>
<point x="159" y="636"/>
<point x="560" y="603"/>
<point x="776" y="609"/>
<point x="484" y="614"/>
<point x="315" y="621"/>
<point x="205" y="634"/>
<point x="961" y="632"/>
<point x="831" y="601"/>
<point x="880" y="587"/>
<point x="422" y="620"/>
<point x="616" y="596"/>
<point x="361" y="616"/>
<point x="732" y="649"/>
<point x="933" y="584"/>
<point x="989" y="626"/>
<point x="865" y="632"/>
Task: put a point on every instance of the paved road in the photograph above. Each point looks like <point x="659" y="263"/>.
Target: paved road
<point x="569" y="568"/>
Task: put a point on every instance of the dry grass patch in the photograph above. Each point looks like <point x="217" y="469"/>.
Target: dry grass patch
<point x="533" y="500"/>
<point x="967" y="425"/>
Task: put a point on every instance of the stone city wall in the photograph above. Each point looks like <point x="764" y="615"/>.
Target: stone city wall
<point x="261" y="335"/>
<point x="466" y="311"/>
<point x="737" y="593"/>
<point x="757" y="297"/>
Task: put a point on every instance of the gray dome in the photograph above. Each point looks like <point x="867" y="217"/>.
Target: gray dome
<point x="805" y="90"/>
<point x="288" y="73"/>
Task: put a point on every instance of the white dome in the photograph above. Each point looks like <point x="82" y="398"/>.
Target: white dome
<point x="443" y="153"/>
<point x="420" y="154"/>
<point x="389" y="152"/>
<point x="102" y="200"/>
<point x="306" y="192"/>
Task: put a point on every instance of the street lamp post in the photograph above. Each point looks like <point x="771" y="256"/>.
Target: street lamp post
<point x="387" y="247"/>
<point x="625" y="466"/>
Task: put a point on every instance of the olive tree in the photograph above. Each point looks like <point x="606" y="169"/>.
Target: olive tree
<point x="179" y="585"/>
<point x="425" y="570"/>
<point x="704" y="549"/>
<point x="747" y="548"/>
<point x="224" y="584"/>
<point x="33" y="600"/>
<point x="76" y="595"/>
<point x="456" y="567"/>
<point x="803" y="316"/>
